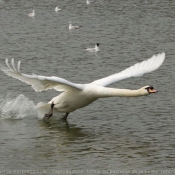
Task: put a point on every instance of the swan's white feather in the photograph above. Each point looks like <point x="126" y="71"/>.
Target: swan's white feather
<point x="40" y="83"/>
<point x="18" y="66"/>
<point x="13" y="65"/>
<point x="7" y="63"/>
<point x="136" y="70"/>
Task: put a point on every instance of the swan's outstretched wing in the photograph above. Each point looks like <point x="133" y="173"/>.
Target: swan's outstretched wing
<point x="40" y="83"/>
<point x="136" y="70"/>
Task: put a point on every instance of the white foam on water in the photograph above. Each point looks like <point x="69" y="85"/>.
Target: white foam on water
<point x="16" y="107"/>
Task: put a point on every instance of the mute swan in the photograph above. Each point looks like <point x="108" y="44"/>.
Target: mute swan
<point x="73" y="27"/>
<point x="75" y="96"/>
<point x="57" y="9"/>
<point x="95" y="49"/>
<point x="32" y="14"/>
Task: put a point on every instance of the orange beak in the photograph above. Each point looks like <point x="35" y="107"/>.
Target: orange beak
<point x="152" y="91"/>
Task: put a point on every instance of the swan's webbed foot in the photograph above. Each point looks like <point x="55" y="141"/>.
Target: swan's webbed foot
<point x="47" y="116"/>
<point x="65" y="117"/>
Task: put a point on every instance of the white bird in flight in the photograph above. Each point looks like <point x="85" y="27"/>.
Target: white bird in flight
<point x="88" y="2"/>
<point x="32" y="14"/>
<point x="95" y="49"/>
<point x="75" y="96"/>
<point x="57" y="8"/>
<point x="73" y="27"/>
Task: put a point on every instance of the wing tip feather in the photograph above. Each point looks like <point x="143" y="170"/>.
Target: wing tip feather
<point x="160" y="58"/>
<point x="12" y="67"/>
<point x="136" y="70"/>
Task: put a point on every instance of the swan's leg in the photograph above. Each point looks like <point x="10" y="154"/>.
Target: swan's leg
<point x="65" y="117"/>
<point x="50" y="112"/>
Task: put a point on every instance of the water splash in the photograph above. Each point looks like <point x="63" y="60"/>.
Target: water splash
<point x="16" y="107"/>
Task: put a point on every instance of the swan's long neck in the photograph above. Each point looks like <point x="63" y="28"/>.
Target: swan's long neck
<point x="112" y="92"/>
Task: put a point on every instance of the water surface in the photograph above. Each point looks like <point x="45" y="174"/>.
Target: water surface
<point x="110" y="134"/>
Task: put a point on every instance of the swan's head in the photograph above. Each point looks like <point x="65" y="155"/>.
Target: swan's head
<point x="149" y="89"/>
